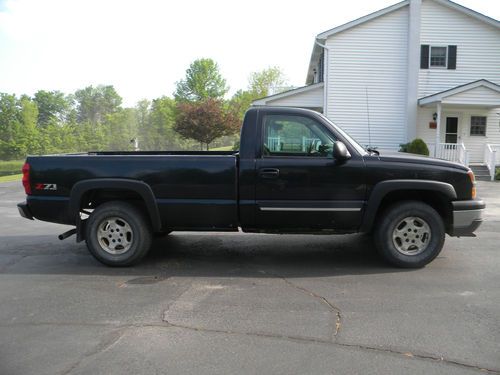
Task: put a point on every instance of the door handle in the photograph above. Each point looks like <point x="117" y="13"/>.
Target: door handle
<point x="269" y="173"/>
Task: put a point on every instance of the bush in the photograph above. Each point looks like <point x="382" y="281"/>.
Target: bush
<point x="417" y="146"/>
<point x="497" y="174"/>
<point x="11" y="167"/>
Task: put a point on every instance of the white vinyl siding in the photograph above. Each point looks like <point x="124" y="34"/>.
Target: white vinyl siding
<point x="370" y="58"/>
<point x="307" y="99"/>
<point x="478" y="48"/>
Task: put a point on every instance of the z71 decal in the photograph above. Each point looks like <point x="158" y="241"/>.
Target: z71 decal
<point x="45" y="187"/>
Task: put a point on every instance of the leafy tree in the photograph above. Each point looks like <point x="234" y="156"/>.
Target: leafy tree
<point x="156" y="128"/>
<point x="94" y="103"/>
<point x="260" y="84"/>
<point x="9" y="126"/>
<point x="205" y="121"/>
<point x="53" y="107"/>
<point x="120" y="128"/>
<point x="267" y="82"/>
<point x="203" y="80"/>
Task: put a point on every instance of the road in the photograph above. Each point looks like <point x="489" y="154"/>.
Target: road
<point x="215" y="303"/>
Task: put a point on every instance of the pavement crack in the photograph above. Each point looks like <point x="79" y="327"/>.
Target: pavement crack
<point x="301" y="339"/>
<point x="108" y="341"/>
<point x="336" y="312"/>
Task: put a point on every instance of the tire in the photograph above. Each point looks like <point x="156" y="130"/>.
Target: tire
<point x="410" y="234"/>
<point x="118" y="234"/>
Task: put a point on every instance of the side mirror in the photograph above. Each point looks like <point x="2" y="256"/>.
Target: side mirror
<point x="340" y="152"/>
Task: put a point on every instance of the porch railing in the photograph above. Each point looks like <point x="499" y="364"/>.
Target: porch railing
<point x="452" y="152"/>
<point x="274" y="143"/>
<point x="490" y="158"/>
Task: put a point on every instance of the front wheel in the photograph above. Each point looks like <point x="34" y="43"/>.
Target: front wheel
<point x="118" y="234"/>
<point x="410" y="234"/>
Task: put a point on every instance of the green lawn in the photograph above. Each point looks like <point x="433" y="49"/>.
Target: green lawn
<point x="223" y="148"/>
<point x="12" y="177"/>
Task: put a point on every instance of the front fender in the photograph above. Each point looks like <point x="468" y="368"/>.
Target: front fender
<point x="381" y="189"/>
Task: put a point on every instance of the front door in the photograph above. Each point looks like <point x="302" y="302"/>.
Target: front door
<point x="451" y="131"/>
<point x="300" y="186"/>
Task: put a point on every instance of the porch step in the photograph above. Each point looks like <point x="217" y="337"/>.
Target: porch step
<point x="481" y="172"/>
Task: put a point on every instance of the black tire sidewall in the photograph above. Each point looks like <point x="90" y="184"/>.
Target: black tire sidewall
<point x="392" y="216"/>
<point x="141" y="233"/>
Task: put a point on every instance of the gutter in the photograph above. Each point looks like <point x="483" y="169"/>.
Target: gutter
<point x="325" y="78"/>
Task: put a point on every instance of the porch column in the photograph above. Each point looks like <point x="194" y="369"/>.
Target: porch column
<point x="438" y="128"/>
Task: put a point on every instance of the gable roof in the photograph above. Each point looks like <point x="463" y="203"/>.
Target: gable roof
<point x="439" y="96"/>
<point x="447" y="3"/>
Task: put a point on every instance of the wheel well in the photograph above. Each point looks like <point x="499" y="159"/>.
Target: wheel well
<point x="93" y="198"/>
<point x="439" y="201"/>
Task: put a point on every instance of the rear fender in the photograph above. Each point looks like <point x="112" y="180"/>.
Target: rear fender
<point x="139" y="187"/>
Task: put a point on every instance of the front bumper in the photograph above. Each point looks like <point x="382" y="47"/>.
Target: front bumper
<point x="24" y="210"/>
<point x="467" y="217"/>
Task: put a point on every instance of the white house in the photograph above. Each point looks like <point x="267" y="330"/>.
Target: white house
<point x="420" y="68"/>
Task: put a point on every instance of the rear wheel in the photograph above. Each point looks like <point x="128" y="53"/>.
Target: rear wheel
<point x="410" y="234"/>
<point x="118" y="234"/>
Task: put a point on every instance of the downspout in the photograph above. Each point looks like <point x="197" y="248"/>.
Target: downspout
<point x="325" y="77"/>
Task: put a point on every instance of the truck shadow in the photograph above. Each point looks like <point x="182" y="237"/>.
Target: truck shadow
<point x="205" y="255"/>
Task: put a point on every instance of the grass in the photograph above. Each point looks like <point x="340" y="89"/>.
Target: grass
<point x="223" y="148"/>
<point x="12" y="177"/>
<point x="11" y="167"/>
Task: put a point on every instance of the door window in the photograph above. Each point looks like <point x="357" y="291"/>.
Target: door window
<point x="285" y="135"/>
<point x="451" y="135"/>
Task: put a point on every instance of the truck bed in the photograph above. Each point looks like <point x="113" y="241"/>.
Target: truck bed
<point x="192" y="189"/>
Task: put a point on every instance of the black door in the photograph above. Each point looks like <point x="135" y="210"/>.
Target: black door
<point x="451" y="131"/>
<point x="300" y="186"/>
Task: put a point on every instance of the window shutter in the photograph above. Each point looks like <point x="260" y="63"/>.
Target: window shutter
<point x="452" y="57"/>
<point x="424" y="56"/>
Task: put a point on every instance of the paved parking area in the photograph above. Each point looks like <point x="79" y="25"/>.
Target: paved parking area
<point x="234" y="303"/>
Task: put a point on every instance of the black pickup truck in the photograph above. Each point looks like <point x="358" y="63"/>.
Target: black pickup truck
<point x="295" y="172"/>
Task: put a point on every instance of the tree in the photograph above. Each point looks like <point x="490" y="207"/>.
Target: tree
<point x="94" y="103"/>
<point x="260" y="84"/>
<point x="203" y="81"/>
<point x="156" y="128"/>
<point x="53" y="107"/>
<point x="205" y="121"/>
<point x="267" y="82"/>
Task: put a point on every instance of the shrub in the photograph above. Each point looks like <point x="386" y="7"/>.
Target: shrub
<point x="497" y="174"/>
<point x="10" y="167"/>
<point x="417" y="146"/>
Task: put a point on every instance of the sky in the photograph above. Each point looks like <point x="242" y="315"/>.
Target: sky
<point x="144" y="47"/>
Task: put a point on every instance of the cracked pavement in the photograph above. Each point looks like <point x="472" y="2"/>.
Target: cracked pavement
<point x="219" y="303"/>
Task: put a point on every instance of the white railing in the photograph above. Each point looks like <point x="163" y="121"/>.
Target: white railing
<point x="447" y="151"/>
<point x="463" y="155"/>
<point x="450" y="151"/>
<point x="274" y="143"/>
<point x="307" y="142"/>
<point x="490" y="158"/>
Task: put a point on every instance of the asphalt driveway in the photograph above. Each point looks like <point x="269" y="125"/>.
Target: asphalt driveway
<point x="216" y="303"/>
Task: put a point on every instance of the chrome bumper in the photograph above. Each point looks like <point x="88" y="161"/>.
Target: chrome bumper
<point x="467" y="217"/>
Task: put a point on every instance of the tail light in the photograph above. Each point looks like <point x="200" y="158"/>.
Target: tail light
<point x="473" y="181"/>
<point x="26" y="178"/>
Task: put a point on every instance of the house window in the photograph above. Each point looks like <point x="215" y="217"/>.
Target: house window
<point x="478" y="125"/>
<point x="438" y="57"/>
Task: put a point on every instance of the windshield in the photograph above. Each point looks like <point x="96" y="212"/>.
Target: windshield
<point x="351" y="140"/>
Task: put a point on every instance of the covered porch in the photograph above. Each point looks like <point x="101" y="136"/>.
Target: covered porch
<point x="462" y="124"/>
